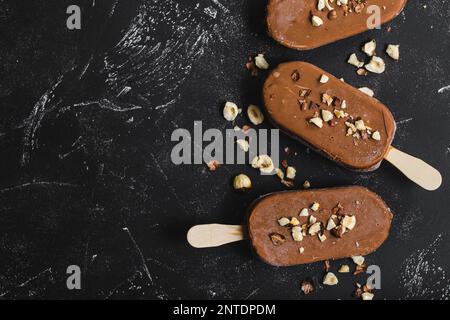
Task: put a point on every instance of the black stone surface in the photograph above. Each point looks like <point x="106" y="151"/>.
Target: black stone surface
<point x="86" y="177"/>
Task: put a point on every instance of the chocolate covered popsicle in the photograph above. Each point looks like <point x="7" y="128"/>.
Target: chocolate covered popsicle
<point x="329" y="115"/>
<point x="298" y="227"/>
<point x="307" y="24"/>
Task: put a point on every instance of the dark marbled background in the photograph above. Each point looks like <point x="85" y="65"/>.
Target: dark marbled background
<point x="86" y="176"/>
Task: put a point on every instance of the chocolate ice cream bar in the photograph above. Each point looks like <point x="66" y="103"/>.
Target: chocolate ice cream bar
<point x="307" y="24"/>
<point x="329" y="115"/>
<point x="297" y="227"/>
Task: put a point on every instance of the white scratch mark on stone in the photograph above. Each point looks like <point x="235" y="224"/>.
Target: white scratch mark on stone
<point x="443" y="89"/>
<point x="141" y="256"/>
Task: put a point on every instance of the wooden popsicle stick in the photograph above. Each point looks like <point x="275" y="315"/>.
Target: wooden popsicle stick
<point x="214" y="235"/>
<point x="415" y="169"/>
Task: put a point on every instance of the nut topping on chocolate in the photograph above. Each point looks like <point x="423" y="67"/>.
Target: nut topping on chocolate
<point x="283" y="222"/>
<point x="315" y="206"/>
<point x="324" y="79"/>
<point x="316" y="21"/>
<point x="277" y="239"/>
<point x="326" y="115"/>
<point x="316" y="121"/>
<point x="314" y="228"/>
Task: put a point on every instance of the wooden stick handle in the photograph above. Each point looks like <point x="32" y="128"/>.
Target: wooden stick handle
<point x="214" y="235"/>
<point x="415" y="169"/>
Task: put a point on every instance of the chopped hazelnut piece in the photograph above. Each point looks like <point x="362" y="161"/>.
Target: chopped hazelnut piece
<point x="213" y="165"/>
<point x="264" y="163"/>
<point x="316" y="21"/>
<point x="344" y="269"/>
<point x="344" y="104"/>
<point x="354" y="61"/>
<point x="367" y="296"/>
<point x="393" y="51"/>
<point x="279" y="173"/>
<point x="283" y="222"/>
<point x="317" y="121"/>
<point x="255" y="115"/>
<point x="360" y="269"/>
<point x="320" y="5"/>
<point x="369" y="48"/>
<point x="340" y="114"/>
<point x="301" y="249"/>
<point x="322" y="237"/>
<point x="242" y="182"/>
<point x="261" y="62"/>
<point x="326" y="115"/>
<point x="315" y="206"/>
<point x="332" y="15"/>
<point x="295" y="75"/>
<point x="230" y="111"/>
<point x="294" y="221"/>
<point x="277" y="239"/>
<point x="314" y="229"/>
<point x="376" y="65"/>
<point x="243" y="144"/>
<point x="331" y="224"/>
<point x="306" y="184"/>
<point x="296" y="233"/>
<point x="349" y="222"/>
<point x="324" y="79"/>
<point x="359" y="124"/>
<point x="358" y="260"/>
<point x="330" y="279"/>
<point x="326" y="98"/>
<point x="376" y="136"/>
<point x="367" y="91"/>
<point x="290" y="172"/>
<point x="304" y="212"/>
<point x="312" y="219"/>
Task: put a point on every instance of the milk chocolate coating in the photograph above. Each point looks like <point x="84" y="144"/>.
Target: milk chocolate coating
<point x="281" y="95"/>
<point x="373" y="221"/>
<point x="289" y="21"/>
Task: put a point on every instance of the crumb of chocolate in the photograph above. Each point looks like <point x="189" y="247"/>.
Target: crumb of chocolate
<point x="360" y="269"/>
<point x="213" y="165"/>
<point x="277" y="239"/>
<point x="250" y="65"/>
<point x="313" y="105"/>
<point x="339" y="231"/>
<point x="332" y="15"/>
<point x="295" y="75"/>
<point x="327" y="265"/>
<point x="284" y="163"/>
<point x="307" y="286"/>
